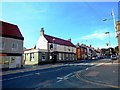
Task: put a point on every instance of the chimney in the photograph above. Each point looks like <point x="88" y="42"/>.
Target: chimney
<point x="90" y="45"/>
<point x="69" y="39"/>
<point x="42" y="32"/>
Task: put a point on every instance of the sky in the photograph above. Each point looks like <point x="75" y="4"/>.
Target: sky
<point x="80" y="21"/>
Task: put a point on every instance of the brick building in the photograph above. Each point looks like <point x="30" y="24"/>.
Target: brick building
<point x="118" y="34"/>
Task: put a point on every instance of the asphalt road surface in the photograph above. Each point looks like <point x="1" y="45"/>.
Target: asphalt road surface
<point x="66" y="76"/>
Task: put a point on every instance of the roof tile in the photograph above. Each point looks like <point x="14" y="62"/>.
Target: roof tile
<point x="58" y="41"/>
<point x="10" y="30"/>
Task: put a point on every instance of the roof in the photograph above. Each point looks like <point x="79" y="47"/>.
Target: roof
<point x="10" y="30"/>
<point x="58" y="41"/>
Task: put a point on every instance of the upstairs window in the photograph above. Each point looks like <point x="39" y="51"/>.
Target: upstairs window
<point x="2" y="45"/>
<point x="65" y="48"/>
<point x="14" y="46"/>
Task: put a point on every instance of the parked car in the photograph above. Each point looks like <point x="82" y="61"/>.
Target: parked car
<point x="114" y="57"/>
<point x="94" y="57"/>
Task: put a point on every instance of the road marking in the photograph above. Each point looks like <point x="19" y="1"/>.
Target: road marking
<point x="59" y="78"/>
<point x="73" y="76"/>
<point x="17" y="77"/>
<point x="58" y="81"/>
<point x="77" y="64"/>
<point x="68" y="75"/>
<point x="37" y="73"/>
<point x="86" y="69"/>
<point x="64" y="78"/>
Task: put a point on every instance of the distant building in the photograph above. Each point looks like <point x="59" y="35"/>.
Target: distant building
<point x="50" y="49"/>
<point x="86" y="52"/>
<point x="11" y="45"/>
<point x="118" y="34"/>
<point x="81" y="52"/>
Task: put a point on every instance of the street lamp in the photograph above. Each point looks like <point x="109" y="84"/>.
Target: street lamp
<point x="53" y="40"/>
<point x="108" y="33"/>
<point x="109" y="44"/>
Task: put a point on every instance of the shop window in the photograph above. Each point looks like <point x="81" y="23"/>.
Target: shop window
<point x="70" y="56"/>
<point x="67" y="56"/>
<point x="60" y="56"/>
<point x="43" y="56"/>
<point x="12" y="60"/>
<point x="63" y="56"/>
<point x="31" y="56"/>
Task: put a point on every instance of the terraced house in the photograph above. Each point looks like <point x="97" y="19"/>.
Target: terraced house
<point x="50" y="49"/>
<point x="11" y="45"/>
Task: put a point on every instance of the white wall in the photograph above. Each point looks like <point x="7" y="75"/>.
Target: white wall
<point x="63" y="48"/>
<point x="42" y="43"/>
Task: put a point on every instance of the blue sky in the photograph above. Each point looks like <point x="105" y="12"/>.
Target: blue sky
<point x="80" y="21"/>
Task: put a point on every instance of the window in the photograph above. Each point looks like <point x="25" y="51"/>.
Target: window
<point x="60" y="56"/>
<point x="68" y="49"/>
<point x="31" y="56"/>
<point x="70" y="56"/>
<point x="2" y="45"/>
<point x="67" y="56"/>
<point x="43" y="56"/>
<point x="72" y="49"/>
<point x="63" y="56"/>
<point x="65" y="48"/>
<point x="51" y="46"/>
<point x="55" y="46"/>
<point x="14" y="46"/>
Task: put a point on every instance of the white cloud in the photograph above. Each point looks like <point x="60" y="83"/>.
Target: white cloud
<point x="95" y="35"/>
<point x="98" y="35"/>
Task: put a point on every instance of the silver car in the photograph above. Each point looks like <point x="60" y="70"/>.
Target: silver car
<point x="114" y="57"/>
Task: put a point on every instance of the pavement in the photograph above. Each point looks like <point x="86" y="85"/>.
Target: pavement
<point x="26" y="68"/>
<point x="45" y="66"/>
<point x="106" y="75"/>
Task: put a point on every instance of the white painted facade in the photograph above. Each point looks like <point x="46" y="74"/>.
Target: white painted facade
<point x="63" y="48"/>
<point x="42" y="43"/>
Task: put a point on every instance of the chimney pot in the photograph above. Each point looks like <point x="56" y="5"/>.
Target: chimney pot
<point x="42" y="32"/>
<point x="69" y="39"/>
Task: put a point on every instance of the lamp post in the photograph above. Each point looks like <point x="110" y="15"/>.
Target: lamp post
<point x="109" y="44"/>
<point x="108" y="33"/>
<point x="53" y="56"/>
<point x="113" y="18"/>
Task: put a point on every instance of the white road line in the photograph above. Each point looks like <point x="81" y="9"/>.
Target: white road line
<point x="58" y="81"/>
<point x="37" y="73"/>
<point x="86" y="68"/>
<point x="59" y="78"/>
<point x="17" y="77"/>
<point x="82" y="64"/>
<point x="68" y="75"/>
<point x="73" y="76"/>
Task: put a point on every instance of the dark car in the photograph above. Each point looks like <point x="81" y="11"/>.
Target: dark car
<point x="114" y="57"/>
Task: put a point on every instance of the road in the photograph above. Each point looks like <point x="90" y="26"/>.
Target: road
<point x="67" y="76"/>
